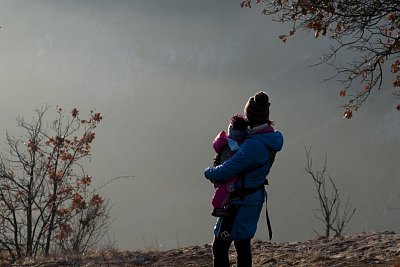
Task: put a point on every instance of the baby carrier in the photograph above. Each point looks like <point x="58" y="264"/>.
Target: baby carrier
<point x="244" y="191"/>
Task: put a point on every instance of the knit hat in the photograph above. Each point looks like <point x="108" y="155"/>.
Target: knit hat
<point x="237" y="127"/>
<point x="257" y="109"/>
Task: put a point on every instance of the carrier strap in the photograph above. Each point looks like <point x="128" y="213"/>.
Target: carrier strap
<point x="243" y="191"/>
<point x="248" y="191"/>
<point x="267" y="216"/>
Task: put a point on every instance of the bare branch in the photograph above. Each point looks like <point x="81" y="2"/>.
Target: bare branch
<point x="329" y="203"/>
<point x="369" y="31"/>
<point x="45" y="194"/>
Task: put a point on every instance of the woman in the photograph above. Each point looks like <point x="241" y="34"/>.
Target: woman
<point x="252" y="163"/>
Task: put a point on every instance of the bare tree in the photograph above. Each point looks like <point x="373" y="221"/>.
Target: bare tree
<point x="45" y="194"/>
<point x="329" y="211"/>
<point x="88" y="228"/>
<point x="369" y="30"/>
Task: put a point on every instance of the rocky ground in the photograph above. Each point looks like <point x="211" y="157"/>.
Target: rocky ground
<point x="364" y="249"/>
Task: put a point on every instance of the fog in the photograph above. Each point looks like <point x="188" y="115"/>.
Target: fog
<point x="167" y="75"/>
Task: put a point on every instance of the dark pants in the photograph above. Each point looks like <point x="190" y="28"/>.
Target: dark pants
<point x="220" y="249"/>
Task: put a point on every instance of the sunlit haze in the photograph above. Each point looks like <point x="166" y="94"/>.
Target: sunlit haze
<point x="166" y="76"/>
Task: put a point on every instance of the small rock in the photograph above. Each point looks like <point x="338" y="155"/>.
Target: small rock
<point x="65" y="263"/>
<point x="137" y="260"/>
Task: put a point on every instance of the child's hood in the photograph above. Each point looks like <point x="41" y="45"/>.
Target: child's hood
<point x="220" y="142"/>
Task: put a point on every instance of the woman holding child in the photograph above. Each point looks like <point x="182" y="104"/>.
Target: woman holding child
<point x="249" y="164"/>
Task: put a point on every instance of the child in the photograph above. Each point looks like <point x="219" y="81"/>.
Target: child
<point x="225" y="145"/>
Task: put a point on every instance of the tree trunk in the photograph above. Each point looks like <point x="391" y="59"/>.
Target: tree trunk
<point x="52" y="219"/>
<point x="29" y="241"/>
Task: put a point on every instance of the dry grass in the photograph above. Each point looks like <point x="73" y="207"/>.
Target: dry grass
<point x="364" y="249"/>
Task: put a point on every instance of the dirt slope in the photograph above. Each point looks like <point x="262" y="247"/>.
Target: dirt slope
<point x="364" y="249"/>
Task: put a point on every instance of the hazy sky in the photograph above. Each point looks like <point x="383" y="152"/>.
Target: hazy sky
<point x="167" y="75"/>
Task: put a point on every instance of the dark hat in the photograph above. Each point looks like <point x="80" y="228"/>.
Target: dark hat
<point x="257" y="109"/>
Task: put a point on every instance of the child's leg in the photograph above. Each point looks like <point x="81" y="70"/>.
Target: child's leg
<point x="221" y="195"/>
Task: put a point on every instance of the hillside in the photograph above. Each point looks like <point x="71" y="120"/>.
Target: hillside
<point x="364" y="249"/>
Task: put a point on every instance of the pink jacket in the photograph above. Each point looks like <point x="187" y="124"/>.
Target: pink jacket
<point x="220" y="141"/>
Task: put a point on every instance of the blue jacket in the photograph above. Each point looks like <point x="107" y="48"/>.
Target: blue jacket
<point x="253" y="152"/>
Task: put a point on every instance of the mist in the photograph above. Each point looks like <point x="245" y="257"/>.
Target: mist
<point x="167" y="76"/>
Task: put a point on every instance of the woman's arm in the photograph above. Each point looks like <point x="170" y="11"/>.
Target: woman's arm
<point x="252" y="152"/>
